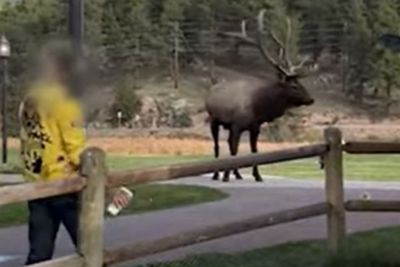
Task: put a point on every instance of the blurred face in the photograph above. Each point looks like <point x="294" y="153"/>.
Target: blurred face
<point x="51" y="70"/>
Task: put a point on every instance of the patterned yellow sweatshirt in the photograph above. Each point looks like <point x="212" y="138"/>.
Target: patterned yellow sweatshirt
<point x="52" y="133"/>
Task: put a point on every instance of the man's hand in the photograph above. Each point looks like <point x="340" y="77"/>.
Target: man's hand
<point x="121" y="199"/>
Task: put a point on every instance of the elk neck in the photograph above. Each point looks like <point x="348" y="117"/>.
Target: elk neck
<point x="270" y="102"/>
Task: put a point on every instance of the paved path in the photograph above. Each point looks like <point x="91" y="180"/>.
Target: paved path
<point x="247" y="199"/>
<point x="10" y="178"/>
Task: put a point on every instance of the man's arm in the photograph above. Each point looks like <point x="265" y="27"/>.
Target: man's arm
<point x="72" y="132"/>
<point x="71" y="125"/>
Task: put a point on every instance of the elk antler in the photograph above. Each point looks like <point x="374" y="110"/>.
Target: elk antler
<point x="275" y="38"/>
<point x="243" y="28"/>
<point x="287" y="45"/>
<point x="283" y="62"/>
<point x="293" y="68"/>
<point x="283" y="47"/>
<point x="260" y="46"/>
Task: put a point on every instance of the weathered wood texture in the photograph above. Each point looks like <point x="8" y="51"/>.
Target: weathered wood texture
<point x="31" y="191"/>
<point x="373" y="206"/>
<point x="68" y="261"/>
<point x="92" y="201"/>
<point x="372" y="147"/>
<point x="334" y="189"/>
<point x="194" y="169"/>
<point x="142" y="249"/>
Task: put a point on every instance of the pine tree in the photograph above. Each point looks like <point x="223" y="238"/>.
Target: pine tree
<point x="384" y="63"/>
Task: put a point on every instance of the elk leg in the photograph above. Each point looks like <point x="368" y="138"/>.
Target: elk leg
<point x="237" y="174"/>
<point x="254" y="134"/>
<point x="234" y="139"/>
<point x="215" y="134"/>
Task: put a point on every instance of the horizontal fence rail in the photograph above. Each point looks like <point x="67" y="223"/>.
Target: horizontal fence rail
<point x="372" y="206"/>
<point x="142" y="249"/>
<point x="194" y="169"/>
<point x="31" y="191"/>
<point x="372" y="147"/>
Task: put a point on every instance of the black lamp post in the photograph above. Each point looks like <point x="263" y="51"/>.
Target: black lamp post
<point x="76" y="24"/>
<point x="5" y="53"/>
<point x="76" y="20"/>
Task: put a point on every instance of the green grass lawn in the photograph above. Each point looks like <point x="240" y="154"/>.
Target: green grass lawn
<point x="120" y="162"/>
<point x="13" y="163"/>
<point x="148" y="198"/>
<point x="357" y="167"/>
<point x="372" y="249"/>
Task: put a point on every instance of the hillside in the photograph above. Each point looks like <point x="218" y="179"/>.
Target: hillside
<point x="367" y="121"/>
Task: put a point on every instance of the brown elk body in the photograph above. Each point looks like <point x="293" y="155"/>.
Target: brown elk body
<point x="246" y="104"/>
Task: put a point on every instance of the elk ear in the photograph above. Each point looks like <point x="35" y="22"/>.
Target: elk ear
<point x="282" y="76"/>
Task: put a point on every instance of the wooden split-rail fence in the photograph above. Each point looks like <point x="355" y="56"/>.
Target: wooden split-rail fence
<point x="94" y="179"/>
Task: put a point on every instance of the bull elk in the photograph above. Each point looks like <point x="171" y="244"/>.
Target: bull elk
<point x="245" y="104"/>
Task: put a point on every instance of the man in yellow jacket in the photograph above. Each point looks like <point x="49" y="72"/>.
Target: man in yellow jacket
<point x="52" y="138"/>
<point x="52" y="135"/>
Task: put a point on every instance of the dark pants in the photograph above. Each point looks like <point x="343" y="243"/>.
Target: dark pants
<point x="45" y="217"/>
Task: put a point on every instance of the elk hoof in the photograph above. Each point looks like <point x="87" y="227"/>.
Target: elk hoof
<point x="227" y="175"/>
<point x="216" y="177"/>
<point x="238" y="175"/>
<point x="259" y="179"/>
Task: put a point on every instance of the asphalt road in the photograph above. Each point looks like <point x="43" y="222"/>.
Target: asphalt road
<point x="247" y="199"/>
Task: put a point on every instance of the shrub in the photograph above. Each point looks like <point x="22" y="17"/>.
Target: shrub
<point x="182" y="119"/>
<point x="287" y="128"/>
<point x="126" y="101"/>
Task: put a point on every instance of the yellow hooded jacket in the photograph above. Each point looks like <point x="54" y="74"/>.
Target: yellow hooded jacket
<point x="52" y="133"/>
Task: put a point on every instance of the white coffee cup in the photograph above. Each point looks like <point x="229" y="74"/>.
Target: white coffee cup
<point x="112" y="208"/>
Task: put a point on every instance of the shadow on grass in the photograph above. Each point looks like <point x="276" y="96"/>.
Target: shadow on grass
<point x="148" y="198"/>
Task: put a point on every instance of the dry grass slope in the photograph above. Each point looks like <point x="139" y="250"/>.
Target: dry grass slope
<point x="166" y="146"/>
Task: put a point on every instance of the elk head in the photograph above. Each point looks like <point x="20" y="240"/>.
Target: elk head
<point x="287" y="72"/>
<point x="295" y="93"/>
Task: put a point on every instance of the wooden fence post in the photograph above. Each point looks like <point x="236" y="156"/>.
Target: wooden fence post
<point x="92" y="208"/>
<point x="334" y="189"/>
